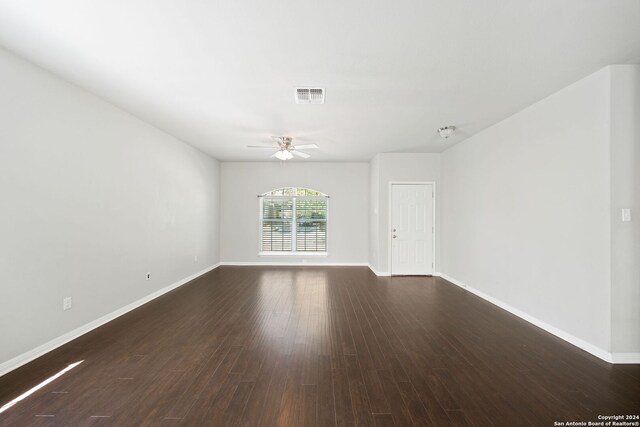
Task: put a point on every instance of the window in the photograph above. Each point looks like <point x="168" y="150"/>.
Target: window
<point x="293" y="220"/>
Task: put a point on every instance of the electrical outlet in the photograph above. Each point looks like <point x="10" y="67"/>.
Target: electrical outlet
<point x="195" y="258"/>
<point x="148" y="275"/>
<point x="67" y="303"/>
<point x="626" y="215"/>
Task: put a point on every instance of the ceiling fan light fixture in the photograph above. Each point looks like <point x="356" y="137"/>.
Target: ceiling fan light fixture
<point x="284" y="155"/>
<point x="285" y="150"/>
<point x="446" y="131"/>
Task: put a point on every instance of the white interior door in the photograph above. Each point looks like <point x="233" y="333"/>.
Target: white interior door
<point x="412" y="229"/>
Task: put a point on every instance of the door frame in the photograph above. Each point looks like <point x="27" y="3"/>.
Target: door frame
<point x="390" y="227"/>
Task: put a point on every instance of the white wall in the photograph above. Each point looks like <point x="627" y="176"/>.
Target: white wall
<point x="92" y="199"/>
<point x="415" y="167"/>
<point x="525" y="211"/>
<point x="625" y="193"/>
<point x="345" y="183"/>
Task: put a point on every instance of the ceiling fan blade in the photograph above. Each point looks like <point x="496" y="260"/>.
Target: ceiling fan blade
<point x="275" y="154"/>
<point x="300" y="154"/>
<point x="306" y="146"/>
<point x="270" y="147"/>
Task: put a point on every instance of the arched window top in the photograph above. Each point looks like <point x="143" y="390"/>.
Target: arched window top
<point x="294" y="191"/>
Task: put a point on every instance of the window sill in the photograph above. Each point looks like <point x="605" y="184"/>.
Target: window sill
<point x="294" y="254"/>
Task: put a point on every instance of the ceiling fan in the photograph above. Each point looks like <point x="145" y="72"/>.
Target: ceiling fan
<point x="285" y="150"/>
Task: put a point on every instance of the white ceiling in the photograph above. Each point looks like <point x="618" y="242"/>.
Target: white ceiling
<point x="221" y="75"/>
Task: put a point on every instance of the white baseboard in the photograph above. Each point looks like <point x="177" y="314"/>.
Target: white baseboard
<point x="378" y="273"/>
<point x="295" y="264"/>
<point x="629" y="358"/>
<point x="589" y="348"/>
<point x="30" y="355"/>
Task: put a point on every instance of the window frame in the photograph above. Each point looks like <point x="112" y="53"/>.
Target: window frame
<point x="294" y="224"/>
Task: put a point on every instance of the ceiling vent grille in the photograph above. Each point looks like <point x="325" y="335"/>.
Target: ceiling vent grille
<point x="309" y="95"/>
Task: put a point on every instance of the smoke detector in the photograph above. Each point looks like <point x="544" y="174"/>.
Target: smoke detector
<point x="309" y="95"/>
<point x="446" y="131"/>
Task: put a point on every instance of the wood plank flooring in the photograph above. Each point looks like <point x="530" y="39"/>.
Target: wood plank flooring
<point x="318" y="346"/>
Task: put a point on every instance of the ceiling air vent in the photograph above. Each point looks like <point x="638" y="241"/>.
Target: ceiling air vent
<point x="309" y="95"/>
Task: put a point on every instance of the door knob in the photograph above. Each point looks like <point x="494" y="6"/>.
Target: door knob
<point x="394" y="230"/>
<point x="394" y="236"/>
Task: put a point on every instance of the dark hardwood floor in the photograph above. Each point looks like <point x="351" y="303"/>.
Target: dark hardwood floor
<point x="310" y="346"/>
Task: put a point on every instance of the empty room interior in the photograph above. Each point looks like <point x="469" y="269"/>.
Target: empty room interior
<point x="337" y="213"/>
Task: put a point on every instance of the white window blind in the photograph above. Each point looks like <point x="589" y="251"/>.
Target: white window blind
<point x="293" y="220"/>
<point x="277" y="216"/>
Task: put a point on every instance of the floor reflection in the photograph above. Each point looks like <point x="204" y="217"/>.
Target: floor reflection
<point x="294" y="308"/>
